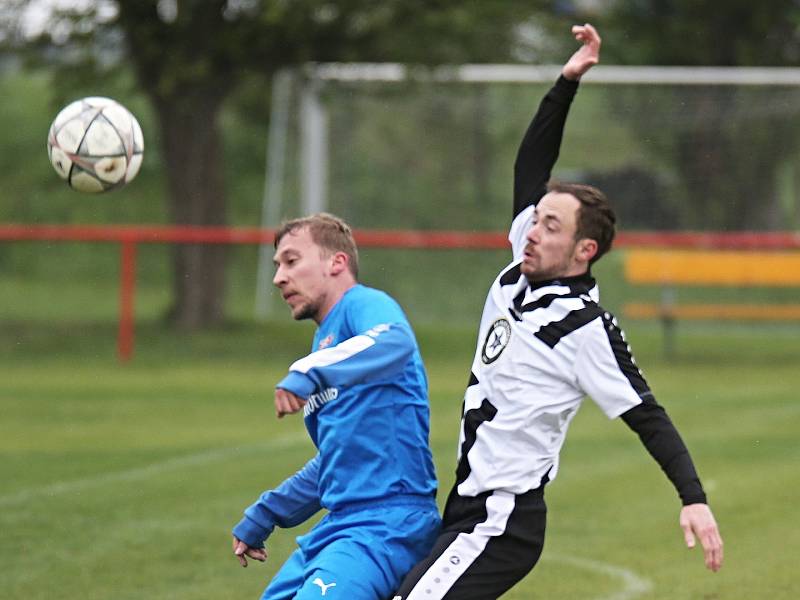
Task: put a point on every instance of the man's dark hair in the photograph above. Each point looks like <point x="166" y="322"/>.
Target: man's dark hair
<point x="595" y="220"/>
<point x="327" y="231"/>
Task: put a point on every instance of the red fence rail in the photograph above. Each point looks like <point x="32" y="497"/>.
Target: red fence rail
<point x="185" y="234"/>
<point x="130" y="236"/>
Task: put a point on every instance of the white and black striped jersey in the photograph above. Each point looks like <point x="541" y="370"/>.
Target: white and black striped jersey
<point x="542" y="347"/>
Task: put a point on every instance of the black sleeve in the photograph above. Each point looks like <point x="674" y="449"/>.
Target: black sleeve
<point x="654" y="427"/>
<point x="539" y="148"/>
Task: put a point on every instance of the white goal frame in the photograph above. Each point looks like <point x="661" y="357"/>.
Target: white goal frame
<point x="314" y="122"/>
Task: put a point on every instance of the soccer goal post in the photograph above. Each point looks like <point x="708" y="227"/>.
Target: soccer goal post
<point x="398" y="146"/>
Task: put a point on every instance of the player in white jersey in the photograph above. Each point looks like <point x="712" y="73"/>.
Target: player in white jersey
<point x="544" y="343"/>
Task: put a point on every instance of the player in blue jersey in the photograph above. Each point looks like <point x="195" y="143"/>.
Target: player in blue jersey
<point x="363" y="392"/>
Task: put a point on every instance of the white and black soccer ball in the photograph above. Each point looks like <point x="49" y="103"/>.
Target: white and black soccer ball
<point x="95" y="144"/>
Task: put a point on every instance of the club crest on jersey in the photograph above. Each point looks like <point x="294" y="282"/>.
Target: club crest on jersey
<point x="325" y="342"/>
<point x="496" y="341"/>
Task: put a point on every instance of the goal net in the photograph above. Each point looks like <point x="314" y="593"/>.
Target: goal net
<point x="674" y="148"/>
<point x="392" y="147"/>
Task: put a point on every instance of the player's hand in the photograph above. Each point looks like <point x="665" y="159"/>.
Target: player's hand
<point x="287" y="403"/>
<point x="586" y="56"/>
<point x="697" y="520"/>
<point x="242" y="551"/>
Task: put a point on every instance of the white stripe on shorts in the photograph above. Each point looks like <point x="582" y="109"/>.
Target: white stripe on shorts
<point x="464" y="550"/>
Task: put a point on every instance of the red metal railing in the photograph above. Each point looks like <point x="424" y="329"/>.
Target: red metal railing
<point x="130" y="236"/>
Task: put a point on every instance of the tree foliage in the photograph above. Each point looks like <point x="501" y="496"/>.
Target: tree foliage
<point x="731" y="167"/>
<point x="704" y="32"/>
<point x="190" y="55"/>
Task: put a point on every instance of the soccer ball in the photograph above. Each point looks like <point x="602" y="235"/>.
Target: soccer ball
<point x="95" y="144"/>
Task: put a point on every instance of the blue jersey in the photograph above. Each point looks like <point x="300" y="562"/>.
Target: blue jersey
<point x="366" y="412"/>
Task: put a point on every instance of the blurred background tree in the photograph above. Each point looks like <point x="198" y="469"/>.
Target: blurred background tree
<point x="726" y="182"/>
<point x="189" y="57"/>
<point x="199" y="74"/>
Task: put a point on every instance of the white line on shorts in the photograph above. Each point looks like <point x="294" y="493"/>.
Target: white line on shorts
<point x="139" y="473"/>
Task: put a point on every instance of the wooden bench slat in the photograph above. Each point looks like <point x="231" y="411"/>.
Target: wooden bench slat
<point x="750" y="312"/>
<point x="712" y="267"/>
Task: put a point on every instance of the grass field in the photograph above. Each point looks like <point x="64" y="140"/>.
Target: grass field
<point x="124" y="481"/>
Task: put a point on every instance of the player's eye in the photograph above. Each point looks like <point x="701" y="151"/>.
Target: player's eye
<point x="551" y="225"/>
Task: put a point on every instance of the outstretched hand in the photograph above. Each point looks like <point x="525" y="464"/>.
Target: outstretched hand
<point x="242" y="551"/>
<point x="697" y="520"/>
<point x="586" y="56"/>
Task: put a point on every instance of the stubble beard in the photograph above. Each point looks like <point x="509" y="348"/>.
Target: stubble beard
<point x="534" y="273"/>
<point x="308" y="310"/>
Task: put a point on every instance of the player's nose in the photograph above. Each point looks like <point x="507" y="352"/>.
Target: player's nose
<point x="280" y="278"/>
<point x="533" y="234"/>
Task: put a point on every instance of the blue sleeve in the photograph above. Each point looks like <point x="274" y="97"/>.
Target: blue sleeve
<point x="375" y="355"/>
<point x="290" y="504"/>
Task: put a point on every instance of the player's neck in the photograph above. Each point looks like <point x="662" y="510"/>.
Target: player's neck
<point x="337" y="292"/>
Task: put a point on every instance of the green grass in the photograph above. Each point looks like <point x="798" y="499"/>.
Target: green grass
<point x="124" y="480"/>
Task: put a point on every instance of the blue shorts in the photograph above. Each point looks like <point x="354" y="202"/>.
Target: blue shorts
<point x="360" y="553"/>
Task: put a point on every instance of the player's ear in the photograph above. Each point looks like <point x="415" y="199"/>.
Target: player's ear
<point x="586" y="249"/>
<point x="339" y="263"/>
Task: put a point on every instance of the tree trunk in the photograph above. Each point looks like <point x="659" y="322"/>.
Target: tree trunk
<point x="192" y="151"/>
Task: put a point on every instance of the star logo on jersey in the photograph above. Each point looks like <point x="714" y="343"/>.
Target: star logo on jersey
<point x="496" y="341"/>
<point x="323" y="586"/>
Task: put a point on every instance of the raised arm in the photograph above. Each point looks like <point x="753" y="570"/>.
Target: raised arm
<point x="540" y="146"/>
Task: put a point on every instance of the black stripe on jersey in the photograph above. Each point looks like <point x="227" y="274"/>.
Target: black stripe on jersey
<point x="625" y="360"/>
<point x="542" y="302"/>
<point x="473" y="419"/>
<point x="516" y="305"/>
<point x="472" y="381"/>
<point x="579" y="287"/>
<point x="511" y="276"/>
<point x="552" y="333"/>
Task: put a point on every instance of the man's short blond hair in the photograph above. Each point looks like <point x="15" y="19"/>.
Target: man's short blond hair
<point x="329" y="232"/>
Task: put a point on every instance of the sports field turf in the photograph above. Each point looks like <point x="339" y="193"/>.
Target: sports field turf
<point x="124" y="481"/>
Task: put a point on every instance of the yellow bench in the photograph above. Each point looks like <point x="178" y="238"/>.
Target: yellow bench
<point x="711" y="268"/>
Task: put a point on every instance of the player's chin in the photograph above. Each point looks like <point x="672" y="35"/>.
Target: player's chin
<point x="528" y="267"/>
<point x="302" y="311"/>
